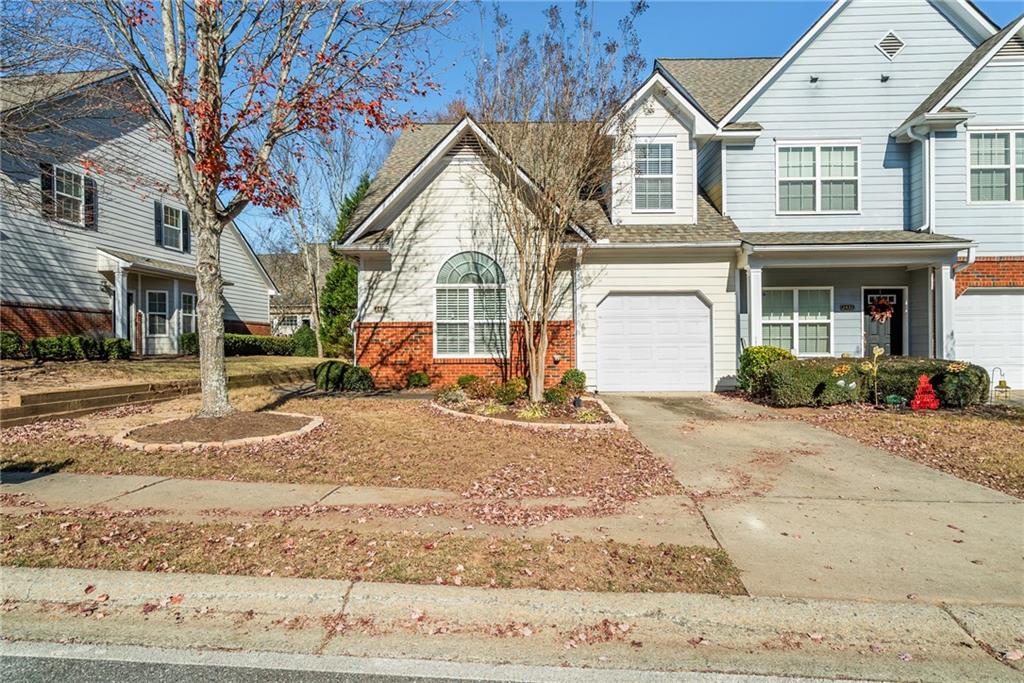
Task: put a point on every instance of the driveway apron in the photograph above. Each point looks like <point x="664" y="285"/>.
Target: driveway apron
<point x="807" y="513"/>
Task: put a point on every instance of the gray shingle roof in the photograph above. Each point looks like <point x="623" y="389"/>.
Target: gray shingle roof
<point x="847" y="237"/>
<point x="416" y="143"/>
<point x="717" y="84"/>
<point x="146" y="262"/>
<point x="961" y="71"/>
<point x="17" y="91"/>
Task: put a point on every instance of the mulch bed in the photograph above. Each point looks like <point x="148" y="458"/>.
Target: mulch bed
<point x="238" y="425"/>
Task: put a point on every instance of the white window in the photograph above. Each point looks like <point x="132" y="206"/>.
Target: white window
<point x="172" y="227"/>
<point x="289" y="321"/>
<point x="798" y="319"/>
<point x="68" y="196"/>
<point x="156" y="313"/>
<point x="471" y="317"/>
<point x="653" y="176"/>
<point x="818" y="178"/>
<point x="996" y="162"/>
<point x="188" y="312"/>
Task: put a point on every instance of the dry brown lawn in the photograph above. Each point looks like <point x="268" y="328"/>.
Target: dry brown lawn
<point x="379" y="442"/>
<point x="121" y="542"/>
<point x="983" y="444"/>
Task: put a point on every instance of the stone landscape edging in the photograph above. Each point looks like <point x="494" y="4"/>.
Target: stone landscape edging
<point x="616" y="422"/>
<point x="123" y="440"/>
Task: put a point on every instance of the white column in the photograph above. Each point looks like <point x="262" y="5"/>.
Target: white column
<point x="754" y="305"/>
<point x="122" y="315"/>
<point x="174" y="308"/>
<point x="944" y="295"/>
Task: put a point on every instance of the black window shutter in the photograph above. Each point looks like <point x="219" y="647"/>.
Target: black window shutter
<point x="158" y="223"/>
<point x="46" y="188"/>
<point x="186" y="233"/>
<point x="90" y="203"/>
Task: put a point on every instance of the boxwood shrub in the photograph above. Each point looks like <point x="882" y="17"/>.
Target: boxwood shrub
<point x="816" y="382"/>
<point x="78" y="347"/>
<point x="241" y="345"/>
<point x="754" y="363"/>
<point x="335" y="375"/>
<point x="117" y="349"/>
<point x="418" y="380"/>
<point x="11" y="345"/>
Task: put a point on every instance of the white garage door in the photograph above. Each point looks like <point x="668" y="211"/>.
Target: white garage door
<point x="653" y="342"/>
<point x="989" y="330"/>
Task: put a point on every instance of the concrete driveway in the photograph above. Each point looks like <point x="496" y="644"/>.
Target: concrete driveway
<point x="808" y="513"/>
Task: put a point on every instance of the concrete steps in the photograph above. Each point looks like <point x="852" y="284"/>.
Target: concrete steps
<point x="69" y="403"/>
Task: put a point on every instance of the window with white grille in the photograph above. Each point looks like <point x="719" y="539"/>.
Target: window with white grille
<point x="890" y="45"/>
<point x="471" y="317"/>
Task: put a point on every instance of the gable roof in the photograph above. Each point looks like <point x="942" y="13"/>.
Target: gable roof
<point x="963" y="73"/>
<point x="23" y="90"/>
<point x="716" y="84"/>
<point x="289" y="272"/>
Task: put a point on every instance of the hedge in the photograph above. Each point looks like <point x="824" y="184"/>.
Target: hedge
<point x="241" y="345"/>
<point x="828" y="381"/>
<point x="335" y="375"/>
<point x="754" y="363"/>
<point x="78" y="347"/>
<point x="11" y="345"/>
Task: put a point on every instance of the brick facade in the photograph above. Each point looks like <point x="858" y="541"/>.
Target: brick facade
<point x="991" y="271"/>
<point x="246" y="327"/>
<point x="38" y="320"/>
<point x="391" y="351"/>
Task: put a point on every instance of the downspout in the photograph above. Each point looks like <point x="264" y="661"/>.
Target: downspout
<point x="353" y="326"/>
<point x="929" y="177"/>
<point x="576" y="272"/>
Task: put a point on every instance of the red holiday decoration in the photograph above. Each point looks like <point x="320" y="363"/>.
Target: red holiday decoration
<point x="925" y="398"/>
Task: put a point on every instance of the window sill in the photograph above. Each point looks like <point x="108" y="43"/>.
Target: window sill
<point x="817" y="213"/>
<point x="467" y="359"/>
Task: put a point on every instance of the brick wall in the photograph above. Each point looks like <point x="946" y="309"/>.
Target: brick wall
<point x="246" y="327"/>
<point x="991" y="271"/>
<point x="391" y="351"/>
<point x="33" y="320"/>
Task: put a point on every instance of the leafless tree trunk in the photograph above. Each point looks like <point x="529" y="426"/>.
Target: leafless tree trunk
<point x="545" y="101"/>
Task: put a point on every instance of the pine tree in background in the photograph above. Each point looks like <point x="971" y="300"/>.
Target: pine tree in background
<point x="338" y="299"/>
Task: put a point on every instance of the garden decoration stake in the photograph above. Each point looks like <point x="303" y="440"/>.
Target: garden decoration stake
<point x="924" y="398"/>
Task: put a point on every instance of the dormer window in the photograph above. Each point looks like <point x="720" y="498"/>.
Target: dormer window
<point x="890" y="45"/>
<point x="653" y="176"/>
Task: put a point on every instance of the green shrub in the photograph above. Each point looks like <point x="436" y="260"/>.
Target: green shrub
<point x="575" y="381"/>
<point x="117" y="349"/>
<point x="64" y="347"/>
<point x="357" y="378"/>
<point x="256" y="345"/>
<point x="791" y="383"/>
<point x="557" y="394"/>
<point x="304" y="341"/>
<point x="418" y="380"/>
<point x="480" y="389"/>
<point x="90" y="347"/>
<point x="330" y="375"/>
<point x="11" y="345"/>
<point x="188" y="343"/>
<point x="465" y="380"/>
<point x="511" y="391"/>
<point x="754" y="363"/>
<point x="962" y="385"/>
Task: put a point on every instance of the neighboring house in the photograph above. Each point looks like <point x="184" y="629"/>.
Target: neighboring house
<point x="95" y="238"/>
<point x="878" y="163"/>
<point x="292" y="307"/>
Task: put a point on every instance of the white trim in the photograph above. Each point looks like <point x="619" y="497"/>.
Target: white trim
<point x="725" y="195"/>
<point x="903" y="45"/>
<point x="656" y="140"/>
<point x="471" y="320"/>
<point x="790" y="55"/>
<point x="693" y="177"/>
<point x="879" y="246"/>
<point x="80" y="221"/>
<point x="1013" y="167"/>
<point x="164" y="208"/>
<point x="194" y="315"/>
<point x="818" y="178"/>
<point x="906" y="317"/>
<point x="995" y="48"/>
<point x="702" y="124"/>
<point x="166" y="314"/>
<point x="795" y="321"/>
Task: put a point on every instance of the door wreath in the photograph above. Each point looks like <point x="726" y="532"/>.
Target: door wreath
<point x="880" y="310"/>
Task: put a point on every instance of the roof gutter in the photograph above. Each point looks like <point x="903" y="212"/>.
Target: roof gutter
<point x="860" y="246"/>
<point x="971" y="253"/>
<point x="721" y="244"/>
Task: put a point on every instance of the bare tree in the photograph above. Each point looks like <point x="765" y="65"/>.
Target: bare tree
<point x="239" y="78"/>
<point x="545" y="101"/>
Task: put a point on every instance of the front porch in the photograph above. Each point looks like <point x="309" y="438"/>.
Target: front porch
<point x="845" y="299"/>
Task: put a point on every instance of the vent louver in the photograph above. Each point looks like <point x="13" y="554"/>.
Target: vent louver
<point x="1013" y="51"/>
<point x="890" y="45"/>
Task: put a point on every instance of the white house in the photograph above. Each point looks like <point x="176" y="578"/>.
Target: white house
<point x="94" y="236"/>
<point x="878" y="164"/>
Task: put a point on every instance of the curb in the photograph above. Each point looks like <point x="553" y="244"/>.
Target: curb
<point x="615" y="424"/>
<point x="123" y="439"/>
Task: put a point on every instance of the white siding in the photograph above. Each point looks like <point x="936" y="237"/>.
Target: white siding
<point x="648" y="270"/>
<point x="849" y="101"/>
<point x="655" y="118"/>
<point x="47" y="262"/>
<point x="450" y="214"/>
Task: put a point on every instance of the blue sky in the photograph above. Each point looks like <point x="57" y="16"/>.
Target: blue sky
<point x="669" y="28"/>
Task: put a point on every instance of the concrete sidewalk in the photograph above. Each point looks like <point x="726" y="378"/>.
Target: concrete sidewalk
<point x="661" y="632"/>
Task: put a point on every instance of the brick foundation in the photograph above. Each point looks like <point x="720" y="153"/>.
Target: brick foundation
<point x="391" y="351"/>
<point x="38" y="320"/>
<point x="991" y="271"/>
<point x="246" y="327"/>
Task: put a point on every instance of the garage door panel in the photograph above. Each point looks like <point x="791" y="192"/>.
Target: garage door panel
<point x="989" y="329"/>
<point x="653" y="342"/>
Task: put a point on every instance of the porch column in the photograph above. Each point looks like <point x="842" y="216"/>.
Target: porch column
<point x="754" y="305"/>
<point x="174" y="314"/>
<point x="122" y="315"/>
<point x="945" y="343"/>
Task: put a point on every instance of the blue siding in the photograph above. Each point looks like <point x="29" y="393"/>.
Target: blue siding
<point x="918" y="179"/>
<point x="709" y="172"/>
<point x="996" y="97"/>
<point x="849" y="101"/>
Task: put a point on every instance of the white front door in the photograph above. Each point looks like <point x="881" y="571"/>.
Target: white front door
<point x="653" y="342"/>
<point x="988" y="330"/>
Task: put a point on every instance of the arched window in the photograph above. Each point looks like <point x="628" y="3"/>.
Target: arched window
<point x="471" y="316"/>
